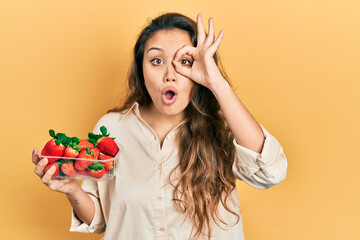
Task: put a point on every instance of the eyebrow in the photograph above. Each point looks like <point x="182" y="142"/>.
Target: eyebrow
<point x="155" y="48"/>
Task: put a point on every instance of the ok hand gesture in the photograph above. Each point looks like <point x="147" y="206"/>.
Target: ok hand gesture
<point x="203" y="70"/>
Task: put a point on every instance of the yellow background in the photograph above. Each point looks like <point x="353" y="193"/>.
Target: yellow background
<point x="294" y="64"/>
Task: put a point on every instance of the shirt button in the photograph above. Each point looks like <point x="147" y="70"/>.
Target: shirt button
<point x="159" y="197"/>
<point x="161" y="229"/>
<point x="159" y="166"/>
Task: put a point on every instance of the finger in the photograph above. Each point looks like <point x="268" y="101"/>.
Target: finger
<point x="39" y="169"/>
<point x="189" y="50"/>
<point x="35" y="156"/>
<point x="210" y="38"/>
<point x="201" y="31"/>
<point x="48" y="175"/>
<point x="185" y="71"/>
<point x="216" y="44"/>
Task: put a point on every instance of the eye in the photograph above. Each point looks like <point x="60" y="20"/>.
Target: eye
<point x="157" y="61"/>
<point x="186" y="62"/>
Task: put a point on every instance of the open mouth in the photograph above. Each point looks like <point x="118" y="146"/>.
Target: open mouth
<point x="169" y="96"/>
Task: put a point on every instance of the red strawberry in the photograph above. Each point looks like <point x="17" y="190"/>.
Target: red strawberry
<point x="55" y="146"/>
<point x="108" y="146"/>
<point x="97" y="173"/>
<point x="83" y="172"/>
<point x="57" y="166"/>
<point x="109" y="164"/>
<point x="83" y="164"/>
<point x="105" y="143"/>
<point x="85" y="144"/>
<point x="70" y="152"/>
<point x="68" y="169"/>
<point x="97" y="170"/>
<point x="96" y="152"/>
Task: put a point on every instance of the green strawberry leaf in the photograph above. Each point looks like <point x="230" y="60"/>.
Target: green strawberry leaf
<point x="87" y="150"/>
<point x="52" y="133"/>
<point x="66" y="141"/>
<point x="75" y="140"/>
<point x="96" y="166"/>
<point x="93" y="141"/>
<point x="58" y="141"/>
<point x="60" y="135"/>
<point x="103" y="130"/>
<point x="76" y="147"/>
<point x="61" y="162"/>
<point x="62" y="174"/>
<point x="92" y="136"/>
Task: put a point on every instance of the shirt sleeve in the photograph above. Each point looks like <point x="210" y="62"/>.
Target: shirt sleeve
<point x="261" y="170"/>
<point x="98" y="223"/>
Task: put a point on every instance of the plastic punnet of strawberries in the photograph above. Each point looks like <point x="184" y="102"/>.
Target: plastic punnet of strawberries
<point x="93" y="158"/>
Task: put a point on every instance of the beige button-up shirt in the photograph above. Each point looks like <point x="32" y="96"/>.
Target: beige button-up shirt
<point x="137" y="203"/>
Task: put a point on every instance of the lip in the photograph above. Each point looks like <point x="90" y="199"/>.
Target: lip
<point x="164" y="98"/>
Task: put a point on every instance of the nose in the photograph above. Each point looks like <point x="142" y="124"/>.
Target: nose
<point x="170" y="74"/>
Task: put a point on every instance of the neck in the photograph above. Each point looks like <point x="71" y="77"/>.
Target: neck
<point x="162" y="124"/>
<point x="153" y="117"/>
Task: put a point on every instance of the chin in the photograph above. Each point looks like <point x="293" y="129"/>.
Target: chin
<point x="173" y="109"/>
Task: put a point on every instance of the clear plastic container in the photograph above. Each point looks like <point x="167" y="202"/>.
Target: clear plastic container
<point x="85" y="174"/>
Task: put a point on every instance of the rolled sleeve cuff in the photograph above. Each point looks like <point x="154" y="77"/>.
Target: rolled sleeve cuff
<point x="267" y="167"/>
<point x="96" y="226"/>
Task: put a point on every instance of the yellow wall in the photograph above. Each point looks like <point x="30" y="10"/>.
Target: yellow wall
<point x="295" y="65"/>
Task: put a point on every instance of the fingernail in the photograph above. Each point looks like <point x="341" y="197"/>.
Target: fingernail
<point x="44" y="160"/>
<point x="52" y="169"/>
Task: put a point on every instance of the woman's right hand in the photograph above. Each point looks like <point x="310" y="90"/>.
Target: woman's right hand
<point x="67" y="186"/>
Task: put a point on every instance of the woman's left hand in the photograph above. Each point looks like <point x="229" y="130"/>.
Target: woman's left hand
<point x="203" y="69"/>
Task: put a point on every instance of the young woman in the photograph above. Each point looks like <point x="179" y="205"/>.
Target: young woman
<point x="186" y="139"/>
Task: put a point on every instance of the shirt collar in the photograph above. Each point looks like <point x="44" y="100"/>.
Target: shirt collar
<point x="135" y="108"/>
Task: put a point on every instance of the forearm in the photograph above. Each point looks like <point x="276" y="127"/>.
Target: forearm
<point x="245" y="128"/>
<point x="83" y="205"/>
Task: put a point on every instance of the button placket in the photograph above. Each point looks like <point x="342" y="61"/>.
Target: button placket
<point x="160" y="223"/>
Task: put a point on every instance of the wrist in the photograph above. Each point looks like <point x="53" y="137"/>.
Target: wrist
<point x="219" y="85"/>
<point x="74" y="192"/>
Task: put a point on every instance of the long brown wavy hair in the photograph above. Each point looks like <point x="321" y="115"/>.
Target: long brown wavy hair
<point x="205" y="142"/>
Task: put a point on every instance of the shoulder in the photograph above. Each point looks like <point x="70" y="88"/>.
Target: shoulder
<point x="112" y="120"/>
<point x="108" y="120"/>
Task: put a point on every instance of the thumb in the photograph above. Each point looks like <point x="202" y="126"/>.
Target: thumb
<point x="185" y="71"/>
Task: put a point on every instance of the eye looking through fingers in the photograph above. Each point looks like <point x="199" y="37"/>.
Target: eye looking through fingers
<point x="186" y="62"/>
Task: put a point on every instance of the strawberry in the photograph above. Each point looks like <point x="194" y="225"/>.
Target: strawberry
<point x="56" y="164"/>
<point x="85" y="144"/>
<point x="96" y="152"/>
<point x="109" y="164"/>
<point x="105" y="143"/>
<point x="73" y="149"/>
<point x="83" y="172"/>
<point x="97" y="170"/>
<point x="55" y="146"/>
<point x="68" y="168"/>
<point x="70" y="152"/>
<point x="83" y="164"/>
